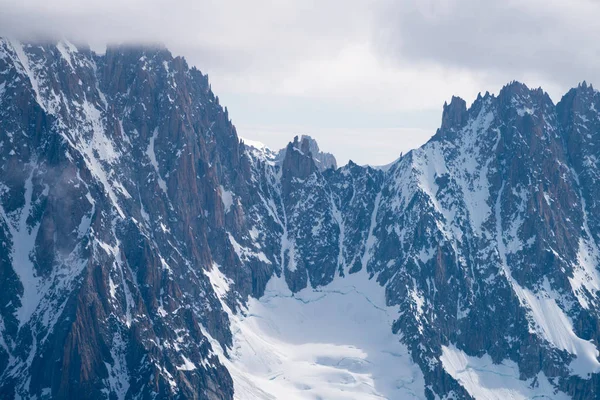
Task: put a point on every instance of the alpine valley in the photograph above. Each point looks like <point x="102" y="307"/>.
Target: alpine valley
<point x="147" y="252"/>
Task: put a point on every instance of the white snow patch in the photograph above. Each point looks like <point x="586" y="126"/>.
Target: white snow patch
<point x="118" y="375"/>
<point x="525" y="110"/>
<point x="86" y="220"/>
<point x="474" y="182"/>
<point x="371" y="239"/>
<point x="419" y="303"/>
<point x="485" y="380"/>
<point x="245" y="253"/>
<point x="431" y="164"/>
<point x="254" y="143"/>
<point x="226" y="198"/>
<point x="187" y="365"/>
<point x="165" y="265"/>
<point x="99" y="149"/>
<point x="27" y="70"/>
<point x="288" y="246"/>
<point x="338" y="218"/>
<point x="585" y="274"/>
<point x="2" y="90"/>
<point x="219" y="282"/>
<point x="119" y="266"/>
<point x="550" y="322"/>
<point x="23" y="242"/>
<point x="152" y="156"/>
<point x="112" y="287"/>
<point x="65" y="52"/>
<point x="254" y="233"/>
<point x="260" y="151"/>
<point x="161" y="311"/>
<point x="426" y="254"/>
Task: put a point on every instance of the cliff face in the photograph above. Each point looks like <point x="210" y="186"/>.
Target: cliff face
<point x="113" y="172"/>
<point x="134" y="227"/>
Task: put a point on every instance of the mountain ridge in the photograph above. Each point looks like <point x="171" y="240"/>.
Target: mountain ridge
<point x="139" y="229"/>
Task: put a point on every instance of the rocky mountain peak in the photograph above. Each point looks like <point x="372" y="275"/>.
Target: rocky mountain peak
<point x="309" y="147"/>
<point x="454" y="114"/>
<point x="517" y="96"/>
<point x="297" y="163"/>
<point x="322" y="160"/>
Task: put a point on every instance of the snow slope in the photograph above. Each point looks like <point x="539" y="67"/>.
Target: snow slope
<point x="485" y="380"/>
<point x="334" y="342"/>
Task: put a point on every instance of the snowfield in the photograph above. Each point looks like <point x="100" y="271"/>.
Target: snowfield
<point x="485" y="380"/>
<point x="334" y="342"/>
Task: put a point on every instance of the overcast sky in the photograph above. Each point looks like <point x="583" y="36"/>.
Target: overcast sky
<point x="366" y="78"/>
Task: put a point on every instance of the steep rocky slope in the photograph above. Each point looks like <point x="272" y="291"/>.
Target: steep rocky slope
<point x="140" y="237"/>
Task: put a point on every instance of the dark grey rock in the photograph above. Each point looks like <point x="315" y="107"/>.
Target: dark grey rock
<point x="123" y="182"/>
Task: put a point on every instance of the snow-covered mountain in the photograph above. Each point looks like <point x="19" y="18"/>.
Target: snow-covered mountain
<point x="147" y="252"/>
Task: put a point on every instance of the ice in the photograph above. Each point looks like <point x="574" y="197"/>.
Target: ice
<point x="419" y="303"/>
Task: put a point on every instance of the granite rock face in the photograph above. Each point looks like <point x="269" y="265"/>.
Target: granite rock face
<point x="323" y="161"/>
<point x="124" y="188"/>
<point x="113" y="172"/>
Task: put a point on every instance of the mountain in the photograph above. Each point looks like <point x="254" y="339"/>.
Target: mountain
<point x="307" y="144"/>
<point x="148" y="252"/>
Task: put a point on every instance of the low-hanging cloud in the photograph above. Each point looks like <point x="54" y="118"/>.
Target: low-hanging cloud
<point x="371" y="58"/>
<point x="550" y="41"/>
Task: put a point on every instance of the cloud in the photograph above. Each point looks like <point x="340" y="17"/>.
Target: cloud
<point x="357" y="61"/>
<point x="326" y="48"/>
<point x="241" y="33"/>
<point x="549" y="41"/>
